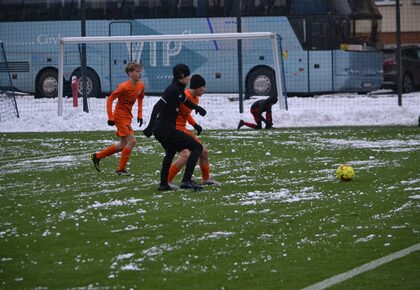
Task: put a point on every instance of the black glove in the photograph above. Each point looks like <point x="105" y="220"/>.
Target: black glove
<point x="200" y="110"/>
<point x="111" y="122"/>
<point x="148" y="131"/>
<point x="198" y="128"/>
<point x="140" y="121"/>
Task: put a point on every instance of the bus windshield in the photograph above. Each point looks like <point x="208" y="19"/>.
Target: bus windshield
<point x="328" y="24"/>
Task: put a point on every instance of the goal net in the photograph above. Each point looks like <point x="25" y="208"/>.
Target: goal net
<point x="8" y="106"/>
<point x="234" y="65"/>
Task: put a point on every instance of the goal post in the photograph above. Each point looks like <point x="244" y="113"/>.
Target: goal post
<point x="8" y="105"/>
<point x="109" y="40"/>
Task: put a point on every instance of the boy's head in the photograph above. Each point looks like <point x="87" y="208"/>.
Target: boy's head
<point x="197" y="81"/>
<point x="180" y="71"/>
<point x="132" y="66"/>
<point x="273" y="100"/>
<point x="198" y="84"/>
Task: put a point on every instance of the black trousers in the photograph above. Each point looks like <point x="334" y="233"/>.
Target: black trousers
<point x="173" y="141"/>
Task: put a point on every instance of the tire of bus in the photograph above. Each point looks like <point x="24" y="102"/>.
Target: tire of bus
<point x="93" y="85"/>
<point x="260" y="81"/>
<point x="407" y="85"/>
<point x="46" y="83"/>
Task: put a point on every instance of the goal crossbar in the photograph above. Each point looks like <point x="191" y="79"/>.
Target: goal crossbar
<point x="171" y="37"/>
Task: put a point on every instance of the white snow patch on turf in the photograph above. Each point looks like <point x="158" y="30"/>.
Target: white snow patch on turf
<point x="283" y="195"/>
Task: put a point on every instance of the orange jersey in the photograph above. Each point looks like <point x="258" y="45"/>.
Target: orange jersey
<point x="127" y="94"/>
<point x="184" y="114"/>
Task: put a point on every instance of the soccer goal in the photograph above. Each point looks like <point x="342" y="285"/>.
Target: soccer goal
<point x="8" y="106"/>
<point x="233" y="64"/>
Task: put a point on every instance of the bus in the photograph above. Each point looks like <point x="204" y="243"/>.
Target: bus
<point x="328" y="46"/>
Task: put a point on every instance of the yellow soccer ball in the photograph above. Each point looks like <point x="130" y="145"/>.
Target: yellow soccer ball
<point x="345" y="172"/>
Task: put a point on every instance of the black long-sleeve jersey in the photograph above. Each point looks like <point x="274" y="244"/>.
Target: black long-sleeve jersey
<point x="262" y="106"/>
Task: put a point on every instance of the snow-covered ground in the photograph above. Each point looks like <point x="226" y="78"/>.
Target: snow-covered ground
<point x="381" y="109"/>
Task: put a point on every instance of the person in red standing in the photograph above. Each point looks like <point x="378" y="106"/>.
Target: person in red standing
<point x="127" y="94"/>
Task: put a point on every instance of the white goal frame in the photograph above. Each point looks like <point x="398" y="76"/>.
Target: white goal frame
<point x="172" y="37"/>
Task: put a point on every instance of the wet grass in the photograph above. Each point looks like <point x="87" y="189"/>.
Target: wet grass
<point x="280" y="220"/>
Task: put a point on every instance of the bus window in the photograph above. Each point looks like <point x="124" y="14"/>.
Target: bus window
<point x="95" y="10"/>
<point x="71" y="10"/>
<point x="309" y="7"/>
<point x="215" y="8"/>
<point x="166" y="9"/>
<point x="339" y="7"/>
<point x="142" y="10"/>
<point x="187" y="8"/>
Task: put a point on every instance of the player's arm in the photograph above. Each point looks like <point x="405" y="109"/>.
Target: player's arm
<point x="193" y="123"/>
<point x="198" y="109"/>
<point x="140" y="108"/>
<point x="191" y="120"/>
<point x="109" y="101"/>
<point x="261" y="110"/>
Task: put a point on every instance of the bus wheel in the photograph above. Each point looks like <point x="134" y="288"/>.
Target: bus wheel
<point x="407" y="85"/>
<point x="93" y="86"/>
<point x="261" y="82"/>
<point x="47" y="84"/>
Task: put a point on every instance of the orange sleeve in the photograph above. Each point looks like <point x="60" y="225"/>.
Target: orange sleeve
<point x="140" y="103"/>
<point x="191" y="120"/>
<point x="111" y="99"/>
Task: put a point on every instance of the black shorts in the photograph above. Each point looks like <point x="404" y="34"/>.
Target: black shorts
<point x="176" y="140"/>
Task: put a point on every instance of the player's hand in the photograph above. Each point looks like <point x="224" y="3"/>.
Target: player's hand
<point x="140" y="121"/>
<point x="148" y="131"/>
<point x="111" y="123"/>
<point x="201" y="111"/>
<point x="198" y="128"/>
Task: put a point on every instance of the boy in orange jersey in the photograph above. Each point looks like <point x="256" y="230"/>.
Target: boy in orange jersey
<point x="127" y="94"/>
<point x="196" y="90"/>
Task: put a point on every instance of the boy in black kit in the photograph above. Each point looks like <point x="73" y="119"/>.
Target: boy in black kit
<point x="163" y="125"/>
<point x="257" y="109"/>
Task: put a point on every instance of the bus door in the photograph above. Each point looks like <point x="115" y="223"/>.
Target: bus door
<point x="120" y="53"/>
<point x="319" y="43"/>
<point x="320" y="71"/>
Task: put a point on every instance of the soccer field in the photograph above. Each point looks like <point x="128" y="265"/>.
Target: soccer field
<point x="280" y="220"/>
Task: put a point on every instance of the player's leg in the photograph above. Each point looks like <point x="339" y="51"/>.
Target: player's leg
<point x="184" y="141"/>
<point x="256" y="118"/>
<point x="177" y="165"/>
<point x="205" y="168"/>
<point x="269" y="119"/>
<point x="166" y="139"/>
<point x="166" y="164"/>
<point x="128" y="142"/>
<point x="96" y="157"/>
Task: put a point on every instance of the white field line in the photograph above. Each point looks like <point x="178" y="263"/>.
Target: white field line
<point x="364" y="268"/>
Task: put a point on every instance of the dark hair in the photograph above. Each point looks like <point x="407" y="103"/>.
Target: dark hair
<point x="180" y="71"/>
<point x="197" y="81"/>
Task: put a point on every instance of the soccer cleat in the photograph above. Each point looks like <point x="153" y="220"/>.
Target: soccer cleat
<point x="210" y="182"/>
<point x="122" y="172"/>
<point x="167" y="186"/>
<point x="241" y="123"/>
<point x="191" y="185"/>
<point x="173" y="185"/>
<point x="95" y="161"/>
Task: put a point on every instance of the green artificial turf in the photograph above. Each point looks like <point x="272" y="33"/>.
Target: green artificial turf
<point x="280" y="220"/>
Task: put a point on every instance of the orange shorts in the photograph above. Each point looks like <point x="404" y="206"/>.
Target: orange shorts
<point x="123" y="127"/>
<point x="186" y="131"/>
